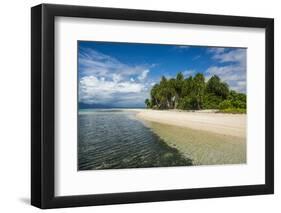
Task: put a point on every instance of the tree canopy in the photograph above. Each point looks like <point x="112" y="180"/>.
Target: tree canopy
<point x="194" y="93"/>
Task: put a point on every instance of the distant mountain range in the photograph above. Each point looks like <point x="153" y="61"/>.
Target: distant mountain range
<point x="101" y="106"/>
<point x="89" y="106"/>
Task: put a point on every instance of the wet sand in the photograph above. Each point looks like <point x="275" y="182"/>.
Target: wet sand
<point x="206" y="137"/>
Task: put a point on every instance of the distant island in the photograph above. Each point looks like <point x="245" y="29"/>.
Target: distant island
<point x="194" y="93"/>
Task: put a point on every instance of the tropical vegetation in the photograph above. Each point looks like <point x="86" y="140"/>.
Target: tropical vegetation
<point x="195" y="93"/>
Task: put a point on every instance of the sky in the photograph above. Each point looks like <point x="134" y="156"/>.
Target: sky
<point x="121" y="74"/>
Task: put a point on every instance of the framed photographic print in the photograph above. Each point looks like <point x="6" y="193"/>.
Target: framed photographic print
<point x="139" y="106"/>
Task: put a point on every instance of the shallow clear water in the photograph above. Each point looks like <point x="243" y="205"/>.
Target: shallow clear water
<point x="111" y="139"/>
<point x="204" y="148"/>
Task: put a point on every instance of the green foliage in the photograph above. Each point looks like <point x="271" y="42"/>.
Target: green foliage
<point x="187" y="103"/>
<point x="180" y="76"/>
<point x="193" y="93"/>
<point x="198" y="90"/>
<point x="238" y="100"/>
<point x="225" y="104"/>
<point x="211" y="101"/>
<point x="148" y="103"/>
<point x="215" y="86"/>
<point x="234" y="110"/>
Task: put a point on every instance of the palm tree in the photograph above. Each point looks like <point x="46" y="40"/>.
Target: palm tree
<point x="192" y="93"/>
<point x="199" y="87"/>
<point x="179" y="86"/>
<point x="215" y="86"/>
<point x="147" y="102"/>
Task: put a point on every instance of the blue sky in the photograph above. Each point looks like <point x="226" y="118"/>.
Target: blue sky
<point x="122" y="74"/>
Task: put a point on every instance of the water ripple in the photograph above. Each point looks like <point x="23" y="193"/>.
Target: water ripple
<point x="115" y="139"/>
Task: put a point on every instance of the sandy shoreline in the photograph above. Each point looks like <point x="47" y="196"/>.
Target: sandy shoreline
<point x="219" y="123"/>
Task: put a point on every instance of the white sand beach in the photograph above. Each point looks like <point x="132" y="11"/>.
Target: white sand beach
<point x="206" y="137"/>
<point x="219" y="123"/>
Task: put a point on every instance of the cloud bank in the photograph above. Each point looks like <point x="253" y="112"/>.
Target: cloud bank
<point x="231" y="67"/>
<point x="105" y="80"/>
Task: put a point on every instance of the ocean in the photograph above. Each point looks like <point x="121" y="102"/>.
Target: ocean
<point x="116" y="139"/>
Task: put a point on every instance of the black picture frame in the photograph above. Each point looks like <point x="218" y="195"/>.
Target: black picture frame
<point x="43" y="102"/>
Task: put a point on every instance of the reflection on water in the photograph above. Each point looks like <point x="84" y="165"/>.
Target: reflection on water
<point x="111" y="139"/>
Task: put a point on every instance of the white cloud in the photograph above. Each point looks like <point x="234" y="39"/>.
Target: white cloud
<point x="196" y="57"/>
<point x="216" y="50"/>
<point x="238" y="56"/>
<point x="234" y="73"/>
<point x="143" y="75"/>
<point x="188" y="73"/>
<point x="97" y="64"/>
<point x="95" y="90"/>
<point x="183" y="47"/>
<point x="105" y="80"/>
<point x="116" y="77"/>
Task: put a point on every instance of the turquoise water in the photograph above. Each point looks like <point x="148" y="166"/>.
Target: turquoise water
<point x="115" y="139"/>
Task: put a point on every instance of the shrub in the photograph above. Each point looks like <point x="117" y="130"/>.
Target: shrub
<point x="233" y="110"/>
<point x="187" y="103"/>
<point x="225" y="104"/>
<point x="211" y="101"/>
